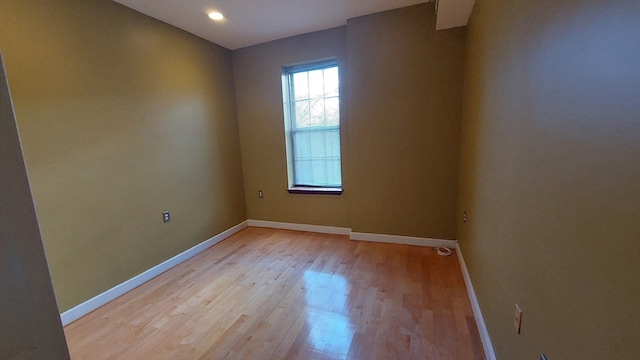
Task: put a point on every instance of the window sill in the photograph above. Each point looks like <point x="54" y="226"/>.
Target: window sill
<point x="314" y="190"/>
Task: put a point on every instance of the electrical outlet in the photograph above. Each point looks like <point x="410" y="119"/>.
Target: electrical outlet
<point x="260" y="194"/>
<point x="464" y="217"/>
<point x="517" y="320"/>
<point x="166" y="217"/>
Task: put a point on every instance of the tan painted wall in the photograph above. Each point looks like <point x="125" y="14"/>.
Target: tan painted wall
<point x="258" y="84"/>
<point x="30" y="326"/>
<point x="404" y="112"/>
<point x="551" y="177"/>
<point x="401" y="103"/>
<point x="121" y="117"/>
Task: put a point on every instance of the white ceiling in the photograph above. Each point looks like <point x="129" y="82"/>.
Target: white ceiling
<point x="250" y="22"/>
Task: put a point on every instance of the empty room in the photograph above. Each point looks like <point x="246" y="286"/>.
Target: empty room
<point x="320" y="179"/>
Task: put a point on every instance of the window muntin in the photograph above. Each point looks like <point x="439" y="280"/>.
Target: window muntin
<point x="312" y="103"/>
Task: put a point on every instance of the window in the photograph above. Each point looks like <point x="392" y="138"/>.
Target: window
<point x="312" y="124"/>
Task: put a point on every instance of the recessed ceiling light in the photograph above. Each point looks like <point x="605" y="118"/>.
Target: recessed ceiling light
<point x="214" y="15"/>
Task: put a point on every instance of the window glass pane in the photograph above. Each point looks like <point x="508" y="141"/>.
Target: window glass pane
<point x="302" y="173"/>
<point x="332" y="140"/>
<point x="302" y="114"/>
<point x="316" y="84"/>
<point x="318" y="147"/>
<point x="319" y="172"/>
<point x="333" y="172"/>
<point x="301" y="145"/>
<point x="300" y="86"/>
<point x="317" y="112"/>
<point x="332" y="111"/>
<point x="331" y="81"/>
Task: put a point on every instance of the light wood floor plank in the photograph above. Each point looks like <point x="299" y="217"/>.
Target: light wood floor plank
<point x="279" y="294"/>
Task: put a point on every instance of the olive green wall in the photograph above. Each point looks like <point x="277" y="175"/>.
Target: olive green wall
<point x="550" y="175"/>
<point x="30" y="326"/>
<point x="258" y="84"/>
<point x="404" y="110"/>
<point x="401" y="98"/>
<point x="121" y="117"/>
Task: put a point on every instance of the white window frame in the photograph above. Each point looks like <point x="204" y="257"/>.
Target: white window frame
<point x="289" y="118"/>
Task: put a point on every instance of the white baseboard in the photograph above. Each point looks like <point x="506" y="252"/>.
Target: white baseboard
<point x="95" y="302"/>
<point x="475" y="306"/>
<point x="406" y="240"/>
<point x="394" y="239"/>
<point x="300" y="227"/>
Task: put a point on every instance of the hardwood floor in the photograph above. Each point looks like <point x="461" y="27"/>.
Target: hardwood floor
<point x="278" y="294"/>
